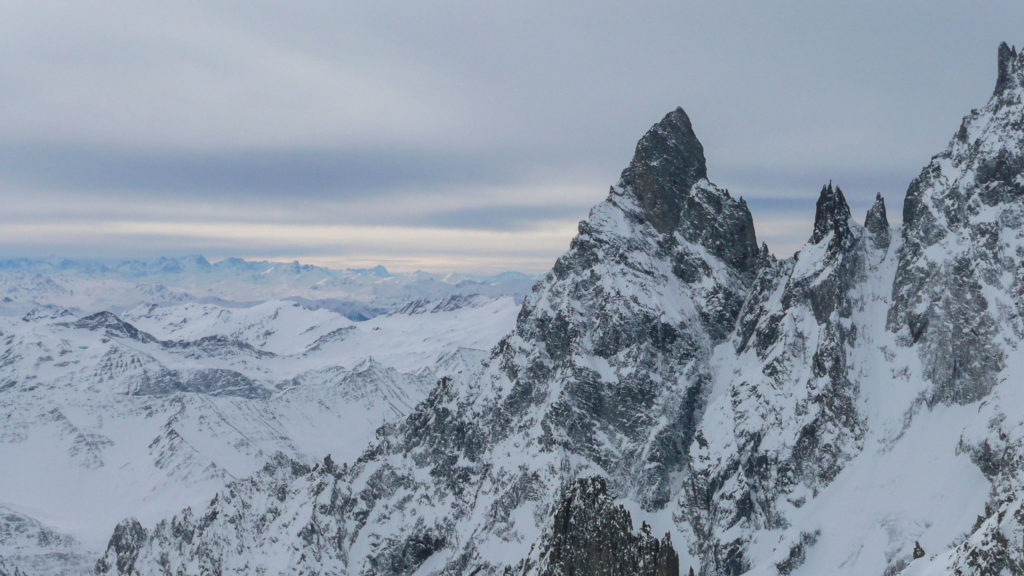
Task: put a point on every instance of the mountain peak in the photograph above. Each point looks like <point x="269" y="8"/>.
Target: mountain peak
<point x="1011" y="69"/>
<point x="831" y="214"/>
<point x="877" y="223"/>
<point x="668" y="161"/>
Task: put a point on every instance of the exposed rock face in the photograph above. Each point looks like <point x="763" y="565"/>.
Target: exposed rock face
<point x="668" y="161"/>
<point x="1010" y="71"/>
<point x="604" y="300"/>
<point x="877" y="223"/>
<point x="833" y="250"/>
<point x="592" y="536"/>
<point x="112" y="326"/>
<point x="123" y="549"/>
<point x="831" y="216"/>
<point x="797" y="416"/>
<point x="791" y="403"/>
<point x="962" y="234"/>
<point x="7" y="570"/>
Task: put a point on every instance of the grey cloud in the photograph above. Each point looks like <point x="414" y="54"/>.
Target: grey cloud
<point x="498" y="217"/>
<point x="772" y="190"/>
<point x="333" y="254"/>
<point x="128" y="104"/>
<point x="812" y="178"/>
<point x="342" y="174"/>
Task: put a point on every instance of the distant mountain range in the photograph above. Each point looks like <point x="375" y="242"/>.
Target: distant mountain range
<point x="357" y="293"/>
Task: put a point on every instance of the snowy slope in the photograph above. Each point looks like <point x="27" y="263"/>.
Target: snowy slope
<point x="33" y="548"/>
<point x="159" y="407"/>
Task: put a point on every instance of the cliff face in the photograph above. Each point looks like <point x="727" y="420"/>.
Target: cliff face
<point x="957" y="291"/>
<point x="819" y="414"/>
<point x="592" y="536"/>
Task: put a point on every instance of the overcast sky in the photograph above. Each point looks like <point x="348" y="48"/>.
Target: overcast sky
<point x="465" y="136"/>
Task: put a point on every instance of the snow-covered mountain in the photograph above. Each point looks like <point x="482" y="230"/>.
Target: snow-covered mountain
<point x="853" y="409"/>
<point x="37" y="549"/>
<point x="358" y="293"/>
<point x="105" y="415"/>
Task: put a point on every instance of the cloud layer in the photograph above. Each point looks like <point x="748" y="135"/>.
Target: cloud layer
<point x="454" y="135"/>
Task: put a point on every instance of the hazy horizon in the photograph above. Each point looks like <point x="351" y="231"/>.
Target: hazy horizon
<point x="113" y="262"/>
<point x="459" y="138"/>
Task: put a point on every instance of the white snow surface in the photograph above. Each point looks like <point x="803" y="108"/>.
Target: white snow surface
<point x="98" y="423"/>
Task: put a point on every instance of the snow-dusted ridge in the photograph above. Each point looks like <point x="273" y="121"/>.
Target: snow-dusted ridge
<point x="824" y="414"/>
<point x="157" y="407"/>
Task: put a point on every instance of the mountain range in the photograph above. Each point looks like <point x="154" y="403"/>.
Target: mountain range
<point x="156" y="407"/>
<point x="852" y="409"/>
<point x="357" y="293"/>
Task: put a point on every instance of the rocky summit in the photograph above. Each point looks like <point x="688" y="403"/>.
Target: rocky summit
<point x="852" y="409"/>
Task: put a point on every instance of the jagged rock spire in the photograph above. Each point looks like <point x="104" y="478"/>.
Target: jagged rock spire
<point x="877" y="223"/>
<point x="591" y="535"/>
<point x="123" y="549"/>
<point x="668" y="161"/>
<point x="1011" y="68"/>
<point x="831" y="214"/>
<point x="667" y="183"/>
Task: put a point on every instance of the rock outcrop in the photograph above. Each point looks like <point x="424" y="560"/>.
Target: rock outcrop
<point x="592" y="536"/>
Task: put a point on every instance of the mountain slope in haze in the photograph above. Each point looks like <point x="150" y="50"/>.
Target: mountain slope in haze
<point x="87" y="286"/>
<point x="28" y="547"/>
<point x="849" y="410"/>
